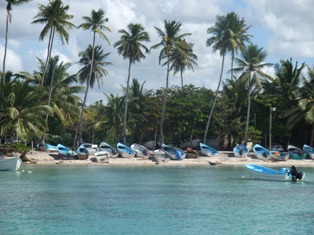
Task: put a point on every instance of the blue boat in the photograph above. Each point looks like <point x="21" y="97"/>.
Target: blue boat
<point x="309" y="150"/>
<point x="296" y="153"/>
<point x="265" y="173"/>
<point x="264" y="154"/>
<point x="207" y="150"/>
<point x="240" y="150"/>
<point x="65" y="152"/>
<point x="51" y="148"/>
<point x="125" y="151"/>
<point x="173" y="153"/>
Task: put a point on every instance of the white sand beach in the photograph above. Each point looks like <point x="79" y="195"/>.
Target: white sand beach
<point x="223" y="158"/>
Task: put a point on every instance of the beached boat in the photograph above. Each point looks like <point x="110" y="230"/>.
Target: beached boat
<point x="65" y="152"/>
<point x="240" y="150"/>
<point x="103" y="146"/>
<point x="264" y="154"/>
<point x="91" y="148"/>
<point x="207" y="150"/>
<point x="160" y="156"/>
<point x="51" y="148"/>
<point x="125" y="151"/>
<point x="102" y="157"/>
<point x="141" y="151"/>
<point x="173" y="153"/>
<point x="8" y="161"/>
<point x="265" y="173"/>
<point x="309" y="150"/>
<point x="82" y="152"/>
<point x="296" y="153"/>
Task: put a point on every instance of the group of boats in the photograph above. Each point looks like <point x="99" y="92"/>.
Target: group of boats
<point x="265" y="154"/>
<point x="104" y="151"/>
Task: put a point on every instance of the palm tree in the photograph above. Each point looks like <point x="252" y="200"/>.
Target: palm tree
<point x="95" y="23"/>
<point x="23" y="114"/>
<point x="56" y="20"/>
<point x="93" y="62"/>
<point x="228" y="34"/>
<point x="10" y="4"/>
<point x="130" y="47"/>
<point x="306" y="102"/>
<point x="182" y="56"/>
<point x="251" y="67"/>
<point x="169" y="38"/>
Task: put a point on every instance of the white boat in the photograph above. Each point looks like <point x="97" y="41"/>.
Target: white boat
<point x="265" y="173"/>
<point x="309" y="150"/>
<point x="9" y="162"/>
<point x="103" y="146"/>
<point x="141" y="151"/>
<point x="125" y="151"/>
<point x="160" y="156"/>
<point x="173" y="153"/>
<point x="82" y="152"/>
<point x="240" y="150"/>
<point x="102" y="156"/>
<point x="207" y="150"/>
<point x="91" y="148"/>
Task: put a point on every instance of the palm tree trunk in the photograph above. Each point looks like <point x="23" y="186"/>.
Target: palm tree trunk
<point x="164" y="106"/>
<point x="80" y="127"/>
<point x="248" y="112"/>
<point x="126" y="103"/>
<point x="215" y="100"/>
<point x="50" y="43"/>
<point x="5" y="49"/>
<point x="181" y="78"/>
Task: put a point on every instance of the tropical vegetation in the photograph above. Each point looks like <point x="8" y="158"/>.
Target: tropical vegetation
<point x="44" y="105"/>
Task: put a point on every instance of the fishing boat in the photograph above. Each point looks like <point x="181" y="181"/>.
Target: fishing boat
<point x="265" y="173"/>
<point x="8" y="160"/>
<point x="51" y="148"/>
<point x="65" y="152"/>
<point x="296" y="153"/>
<point x="240" y="150"/>
<point x="160" y="156"/>
<point x="207" y="150"/>
<point x="141" y="151"/>
<point x="82" y="152"/>
<point x="173" y="153"/>
<point x="264" y="154"/>
<point x="102" y="157"/>
<point x="309" y="150"/>
<point x="91" y="148"/>
<point x="103" y="146"/>
<point x="125" y="151"/>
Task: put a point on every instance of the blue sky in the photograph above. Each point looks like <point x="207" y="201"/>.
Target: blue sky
<point x="283" y="28"/>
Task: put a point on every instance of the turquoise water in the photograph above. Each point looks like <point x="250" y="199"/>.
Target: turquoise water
<point x="152" y="200"/>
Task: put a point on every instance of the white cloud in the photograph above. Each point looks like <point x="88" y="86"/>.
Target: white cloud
<point x="13" y="60"/>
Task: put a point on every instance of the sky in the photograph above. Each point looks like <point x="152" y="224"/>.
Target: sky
<point x="284" y="29"/>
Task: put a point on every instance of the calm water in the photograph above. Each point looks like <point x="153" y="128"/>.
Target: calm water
<point x="152" y="200"/>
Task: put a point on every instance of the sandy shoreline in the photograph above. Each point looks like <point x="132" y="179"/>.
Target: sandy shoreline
<point x="223" y="159"/>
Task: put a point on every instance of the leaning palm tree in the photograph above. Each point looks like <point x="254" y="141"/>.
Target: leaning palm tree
<point x="95" y="23"/>
<point x="10" y="4"/>
<point x="228" y="34"/>
<point x="56" y="20"/>
<point x="93" y="62"/>
<point x="251" y="66"/>
<point x="130" y="47"/>
<point x="169" y="38"/>
<point x="182" y="57"/>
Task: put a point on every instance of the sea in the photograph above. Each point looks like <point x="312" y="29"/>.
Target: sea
<point x="183" y="200"/>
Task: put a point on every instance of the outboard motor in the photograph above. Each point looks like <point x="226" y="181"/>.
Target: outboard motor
<point x="295" y="174"/>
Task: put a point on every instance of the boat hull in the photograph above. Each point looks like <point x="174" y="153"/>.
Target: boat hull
<point x="173" y="153"/>
<point x="309" y="150"/>
<point x="141" y="151"/>
<point x="240" y="151"/>
<point x="113" y="153"/>
<point x="265" y="173"/>
<point x="207" y="150"/>
<point x="10" y="164"/>
<point x="296" y="153"/>
<point x="102" y="157"/>
<point x="125" y="151"/>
